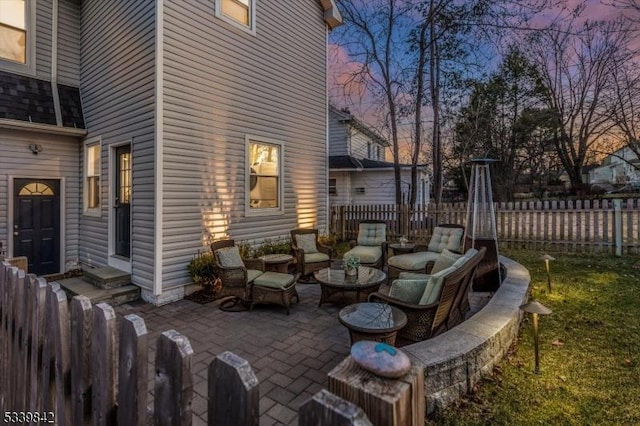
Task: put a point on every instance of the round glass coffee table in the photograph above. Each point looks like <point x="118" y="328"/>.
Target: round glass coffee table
<point x="334" y="281"/>
<point x="377" y="322"/>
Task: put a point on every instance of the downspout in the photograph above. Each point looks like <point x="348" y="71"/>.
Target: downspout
<point x="326" y="131"/>
<point x="54" y="63"/>
<point x="159" y="137"/>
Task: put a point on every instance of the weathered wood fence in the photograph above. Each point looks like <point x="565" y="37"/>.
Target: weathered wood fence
<point x="600" y="226"/>
<point x="72" y="363"/>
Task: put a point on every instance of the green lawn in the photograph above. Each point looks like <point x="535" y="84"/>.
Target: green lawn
<point x="589" y="348"/>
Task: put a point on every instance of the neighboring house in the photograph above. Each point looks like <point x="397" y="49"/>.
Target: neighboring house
<point x="358" y="173"/>
<point x="134" y="132"/>
<point x="621" y="167"/>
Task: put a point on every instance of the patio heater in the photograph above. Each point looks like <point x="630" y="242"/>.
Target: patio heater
<point x="480" y="229"/>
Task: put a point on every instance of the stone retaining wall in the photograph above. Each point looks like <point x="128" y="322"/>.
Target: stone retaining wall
<point x="456" y="360"/>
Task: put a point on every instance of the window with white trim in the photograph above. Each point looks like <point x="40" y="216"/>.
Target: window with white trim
<point x="92" y="161"/>
<point x="333" y="187"/>
<point x="240" y="13"/>
<point x="16" y="42"/>
<point x="264" y="176"/>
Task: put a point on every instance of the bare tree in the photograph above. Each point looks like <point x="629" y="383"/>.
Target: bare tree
<point x="626" y="107"/>
<point x="576" y="64"/>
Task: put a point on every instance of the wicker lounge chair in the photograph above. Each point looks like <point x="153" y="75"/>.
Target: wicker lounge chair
<point x="247" y="283"/>
<point x="310" y="255"/>
<point x="429" y="320"/>
<point x="371" y="247"/>
<point x="447" y="236"/>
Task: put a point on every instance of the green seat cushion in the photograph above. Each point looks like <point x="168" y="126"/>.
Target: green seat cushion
<point x="367" y="254"/>
<point x="412" y="261"/>
<point x="252" y="274"/>
<point x="468" y="255"/>
<point x="446" y="238"/>
<point x="307" y="242"/>
<point x="444" y="260"/>
<point x="409" y="291"/>
<point x="315" y="257"/>
<point x="273" y="280"/>
<point x="372" y="234"/>
<point x="434" y="287"/>
<point x="229" y="257"/>
<point x="413" y="276"/>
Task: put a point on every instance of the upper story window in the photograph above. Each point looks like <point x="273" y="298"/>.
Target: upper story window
<point x="240" y="13"/>
<point x="16" y="38"/>
<point x="264" y="174"/>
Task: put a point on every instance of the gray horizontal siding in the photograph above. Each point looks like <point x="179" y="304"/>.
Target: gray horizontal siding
<point x="221" y="84"/>
<point x="117" y="86"/>
<point x="43" y="39"/>
<point x="338" y="136"/>
<point x="69" y="42"/>
<point x="58" y="159"/>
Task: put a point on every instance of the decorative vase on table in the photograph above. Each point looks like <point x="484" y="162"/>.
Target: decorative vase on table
<point x="350" y="263"/>
<point x="351" y="272"/>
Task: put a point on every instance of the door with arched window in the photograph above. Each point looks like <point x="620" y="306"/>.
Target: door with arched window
<point x="36" y="224"/>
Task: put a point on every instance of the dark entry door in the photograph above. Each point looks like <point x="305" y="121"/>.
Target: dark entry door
<point x="123" y="201"/>
<point x="36" y="224"/>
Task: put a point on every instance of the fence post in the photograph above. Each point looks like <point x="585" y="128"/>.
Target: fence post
<point x="59" y="314"/>
<point x="81" y="332"/>
<point x="132" y="372"/>
<point x="47" y="369"/>
<point x="103" y="355"/>
<point x="233" y="392"/>
<point x="174" y="384"/>
<point x="386" y="402"/>
<point x="617" y="217"/>
<point x="39" y="297"/>
<point x="327" y="409"/>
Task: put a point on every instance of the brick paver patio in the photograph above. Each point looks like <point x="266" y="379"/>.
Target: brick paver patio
<point x="291" y="355"/>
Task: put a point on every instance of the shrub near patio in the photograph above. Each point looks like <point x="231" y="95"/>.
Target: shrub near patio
<point x="589" y="350"/>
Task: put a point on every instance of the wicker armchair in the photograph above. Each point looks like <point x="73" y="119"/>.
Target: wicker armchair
<point x="372" y="246"/>
<point x="427" y="321"/>
<point x="315" y="257"/>
<point x="443" y="237"/>
<point x="236" y="280"/>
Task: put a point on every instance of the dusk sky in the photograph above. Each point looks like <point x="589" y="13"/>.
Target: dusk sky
<point x="356" y="97"/>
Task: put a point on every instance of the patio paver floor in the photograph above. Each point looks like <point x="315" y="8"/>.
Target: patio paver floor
<point x="291" y="355"/>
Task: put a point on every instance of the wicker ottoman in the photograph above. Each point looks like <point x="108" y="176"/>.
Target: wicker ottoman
<point x="274" y="288"/>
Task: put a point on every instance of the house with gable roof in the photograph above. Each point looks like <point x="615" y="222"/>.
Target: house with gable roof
<point x="358" y="172"/>
<point x="133" y="133"/>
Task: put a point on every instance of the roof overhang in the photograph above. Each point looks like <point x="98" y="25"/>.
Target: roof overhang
<point x="331" y="13"/>
<point x="6" y="123"/>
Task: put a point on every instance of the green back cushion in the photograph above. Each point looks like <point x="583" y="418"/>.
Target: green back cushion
<point x="307" y="242"/>
<point x="229" y="257"/>
<point x="446" y="238"/>
<point x="444" y="260"/>
<point x="372" y="234"/>
<point x="409" y="291"/>
<point x="468" y="255"/>
<point x="434" y="287"/>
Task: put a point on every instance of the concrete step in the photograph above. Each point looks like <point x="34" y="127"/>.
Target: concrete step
<point x="107" y="277"/>
<point x="113" y="296"/>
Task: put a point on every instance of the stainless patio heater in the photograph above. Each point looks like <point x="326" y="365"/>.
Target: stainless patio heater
<point x="480" y="229"/>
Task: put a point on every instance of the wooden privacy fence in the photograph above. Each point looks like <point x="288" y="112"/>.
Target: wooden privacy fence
<point x="72" y="363"/>
<point x="598" y="226"/>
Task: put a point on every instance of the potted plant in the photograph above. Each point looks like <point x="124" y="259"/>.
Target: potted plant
<point x="350" y="263"/>
<point x="201" y="270"/>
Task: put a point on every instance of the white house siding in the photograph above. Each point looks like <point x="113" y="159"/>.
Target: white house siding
<point x="220" y="84"/>
<point x="343" y="189"/>
<point x="43" y="39"/>
<point x="69" y="42"/>
<point x="359" y="143"/>
<point x="338" y="135"/>
<point x="117" y="88"/>
<point x="58" y="160"/>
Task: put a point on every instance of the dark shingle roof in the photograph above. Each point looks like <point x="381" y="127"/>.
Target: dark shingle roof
<point x="349" y="162"/>
<point x="30" y="99"/>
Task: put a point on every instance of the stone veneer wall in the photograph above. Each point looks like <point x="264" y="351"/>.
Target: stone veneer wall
<point x="456" y="360"/>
